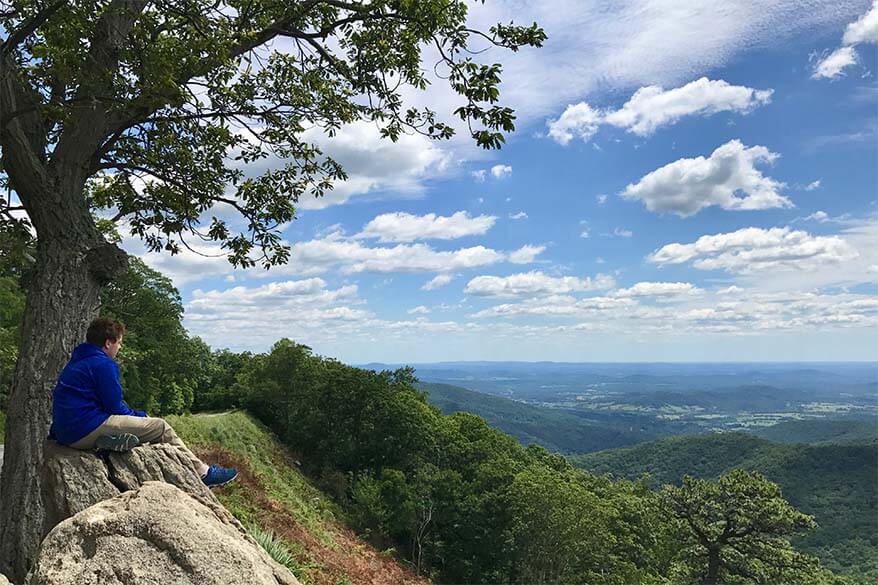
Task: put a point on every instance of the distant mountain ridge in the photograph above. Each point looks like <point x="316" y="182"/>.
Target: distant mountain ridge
<point x="554" y="429"/>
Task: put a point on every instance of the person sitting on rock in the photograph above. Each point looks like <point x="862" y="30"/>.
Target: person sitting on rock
<point x="89" y="413"/>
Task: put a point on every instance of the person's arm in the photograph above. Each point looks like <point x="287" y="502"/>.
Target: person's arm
<point x="109" y="390"/>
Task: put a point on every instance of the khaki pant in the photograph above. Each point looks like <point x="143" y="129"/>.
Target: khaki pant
<point x="147" y="429"/>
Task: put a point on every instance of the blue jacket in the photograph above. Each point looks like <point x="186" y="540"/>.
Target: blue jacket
<point x="87" y="393"/>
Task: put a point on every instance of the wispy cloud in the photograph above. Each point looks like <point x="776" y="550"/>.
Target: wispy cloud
<point x="862" y="30"/>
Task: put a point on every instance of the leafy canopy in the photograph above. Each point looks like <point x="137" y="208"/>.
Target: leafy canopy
<point x="163" y="105"/>
<point x="737" y="530"/>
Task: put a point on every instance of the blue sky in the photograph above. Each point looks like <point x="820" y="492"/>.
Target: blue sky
<point x="685" y="184"/>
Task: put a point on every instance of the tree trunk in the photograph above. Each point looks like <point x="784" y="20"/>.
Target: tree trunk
<point x="713" y="562"/>
<point x="73" y="262"/>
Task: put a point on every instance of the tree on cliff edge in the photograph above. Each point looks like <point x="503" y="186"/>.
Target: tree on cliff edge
<point x="736" y="530"/>
<point x="139" y="106"/>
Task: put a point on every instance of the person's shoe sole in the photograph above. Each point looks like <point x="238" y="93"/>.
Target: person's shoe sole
<point x="118" y="443"/>
<point x="231" y="479"/>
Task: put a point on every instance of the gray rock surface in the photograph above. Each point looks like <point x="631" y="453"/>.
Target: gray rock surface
<point x="74" y="480"/>
<point x="154" y="535"/>
<point x="160" y="462"/>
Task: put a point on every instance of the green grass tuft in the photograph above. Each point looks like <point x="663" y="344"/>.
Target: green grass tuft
<point x="279" y="551"/>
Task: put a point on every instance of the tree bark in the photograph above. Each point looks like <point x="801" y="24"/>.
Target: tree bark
<point x="73" y="262"/>
<point x="713" y="563"/>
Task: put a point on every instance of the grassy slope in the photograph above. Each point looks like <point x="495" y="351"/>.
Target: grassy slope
<point x="554" y="429"/>
<point x="834" y="483"/>
<point x="272" y="495"/>
<point x="2" y="425"/>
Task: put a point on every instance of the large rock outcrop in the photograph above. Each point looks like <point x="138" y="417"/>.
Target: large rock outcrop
<point x="154" y="535"/>
<point x="74" y="480"/>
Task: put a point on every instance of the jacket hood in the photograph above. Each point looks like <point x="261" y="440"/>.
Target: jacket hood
<point x="86" y="350"/>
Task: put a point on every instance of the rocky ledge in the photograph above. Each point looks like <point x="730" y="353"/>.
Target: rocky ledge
<point x="155" y="534"/>
<point x="141" y="518"/>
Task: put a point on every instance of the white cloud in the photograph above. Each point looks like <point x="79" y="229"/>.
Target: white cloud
<point x="688" y="185"/>
<point x="519" y="215"/>
<point x="405" y="227"/>
<point x="254" y="315"/>
<point x="526" y="254"/>
<point x="419" y="310"/>
<point x="652" y="107"/>
<point x="834" y="64"/>
<point x="732" y="311"/>
<point x="558" y="306"/>
<point x="813" y="186"/>
<point x="658" y="289"/>
<point x="501" y="171"/>
<point x="751" y="250"/>
<point x="305" y="310"/>
<point x="864" y="30"/>
<point x="584" y="233"/>
<point x="622" y="233"/>
<point x="823" y="217"/>
<point x="311" y="291"/>
<point x="371" y="163"/>
<point x="402" y="258"/>
<point x="534" y="283"/>
<point x="351" y="256"/>
<point x="438" y="281"/>
<point x="859" y="239"/>
<point x="496" y="171"/>
<point x="577" y="121"/>
<point x="374" y="163"/>
<point x="601" y="199"/>
<point x="203" y="261"/>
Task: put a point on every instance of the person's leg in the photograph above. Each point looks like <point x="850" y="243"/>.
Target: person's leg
<point x="148" y="430"/>
<point x="87" y="443"/>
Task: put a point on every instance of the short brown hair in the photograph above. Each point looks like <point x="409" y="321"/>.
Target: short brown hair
<point x="102" y="329"/>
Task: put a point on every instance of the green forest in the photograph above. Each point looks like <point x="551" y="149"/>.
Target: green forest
<point x="458" y="500"/>
<point x="835" y="483"/>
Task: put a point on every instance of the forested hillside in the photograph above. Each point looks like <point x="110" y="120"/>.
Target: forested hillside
<point x="834" y="483"/>
<point x="554" y="429"/>
<point x="822" y="431"/>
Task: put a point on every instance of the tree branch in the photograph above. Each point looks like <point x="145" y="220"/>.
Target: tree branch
<point x="29" y="27"/>
<point x="88" y="127"/>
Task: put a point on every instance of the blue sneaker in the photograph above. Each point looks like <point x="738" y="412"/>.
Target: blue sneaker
<point x="217" y="476"/>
